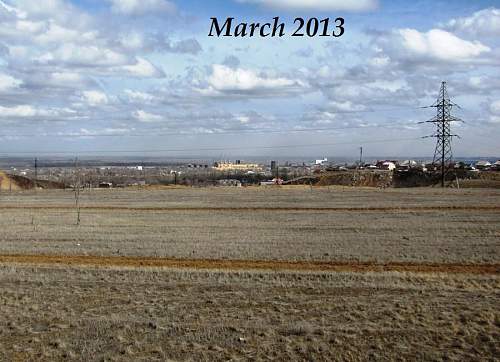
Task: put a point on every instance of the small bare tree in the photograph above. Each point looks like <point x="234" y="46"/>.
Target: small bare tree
<point x="77" y="191"/>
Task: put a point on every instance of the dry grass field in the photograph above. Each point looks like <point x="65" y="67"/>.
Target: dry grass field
<point x="295" y="223"/>
<point x="153" y="314"/>
<point x="250" y="274"/>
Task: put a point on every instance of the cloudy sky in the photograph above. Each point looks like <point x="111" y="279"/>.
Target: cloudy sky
<point x="143" y="77"/>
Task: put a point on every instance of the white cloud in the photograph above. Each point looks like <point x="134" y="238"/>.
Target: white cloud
<point x="476" y="81"/>
<point x="440" y="44"/>
<point x="146" y="42"/>
<point x="57" y="34"/>
<point x="483" y="83"/>
<point x="483" y="22"/>
<point x="58" y="56"/>
<point x="346" y="106"/>
<point x="74" y="54"/>
<point x="408" y="47"/>
<point x="40" y="8"/>
<point x="66" y="77"/>
<point x="27" y="26"/>
<point x="243" y="119"/>
<point x="495" y="107"/>
<point x="8" y="83"/>
<point x="143" y="69"/>
<point x="18" y="111"/>
<point x="224" y="78"/>
<point x="133" y="40"/>
<point x="105" y="131"/>
<point x="388" y="85"/>
<point x="25" y="111"/>
<point x="318" y="5"/>
<point x="12" y="10"/>
<point x="145" y="117"/>
<point x="95" y="98"/>
<point x="495" y="112"/>
<point x="141" y="7"/>
<point x="139" y="97"/>
<point x="380" y="62"/>
<point x="68" y="40"/>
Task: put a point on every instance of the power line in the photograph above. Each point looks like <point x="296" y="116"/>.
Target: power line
<point x="216" y="148"/>
<point x="235" y="132"/>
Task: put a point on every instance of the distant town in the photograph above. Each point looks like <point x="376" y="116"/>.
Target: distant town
<point x="118" y="174"/>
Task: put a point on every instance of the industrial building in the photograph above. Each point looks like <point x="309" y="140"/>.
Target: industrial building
<point x="237" y="166"/>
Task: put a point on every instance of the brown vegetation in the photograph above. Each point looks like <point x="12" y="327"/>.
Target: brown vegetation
<point x="7" y="183"/>
<point x="121" y="314"/>
<point x="292" y="224"/>
<point x="262" y="208"/>
<point x="16" y="183"/>
<point x="277" y="265"/>
<point x="286" y="273"/>
<point x="357" y="178"/>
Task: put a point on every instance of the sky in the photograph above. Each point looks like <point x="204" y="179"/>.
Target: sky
<point x="142" y="77"/>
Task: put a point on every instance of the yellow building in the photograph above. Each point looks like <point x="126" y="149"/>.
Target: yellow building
<point x="238" y="166"/>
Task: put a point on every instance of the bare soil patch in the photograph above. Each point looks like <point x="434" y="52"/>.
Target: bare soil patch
<point x="250" y="209"/>
<point x="278" y="265"/>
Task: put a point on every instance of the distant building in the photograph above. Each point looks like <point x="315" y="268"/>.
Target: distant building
<point x="229" y="166"/>
<point x="274" y="181"/>
<point x="412" y="165"/>
<point x="481" y="165"/>
<point x="230" y="182"/>
<point x="321" y="162"/>
<point x="408" y="164"/>
<point x="387" y="165"/>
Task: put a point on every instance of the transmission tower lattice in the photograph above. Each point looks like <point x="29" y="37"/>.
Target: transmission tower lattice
<point x="443" y="154"/>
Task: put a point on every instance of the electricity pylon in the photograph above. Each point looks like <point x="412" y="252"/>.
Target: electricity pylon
<point x="443" y="154"/>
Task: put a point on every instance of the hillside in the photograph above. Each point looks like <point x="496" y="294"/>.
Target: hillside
<point x="16" y="183"/>
<point x="8" y="183"/>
